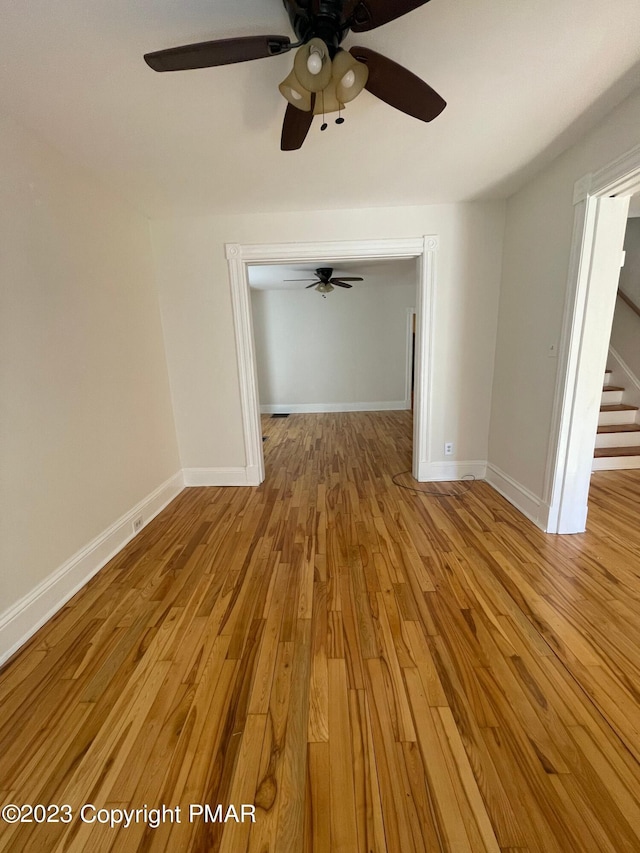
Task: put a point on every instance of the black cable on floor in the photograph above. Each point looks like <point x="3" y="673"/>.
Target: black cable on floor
<point x="467" y="478"/>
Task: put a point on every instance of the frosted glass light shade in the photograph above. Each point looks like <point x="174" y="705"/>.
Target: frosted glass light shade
<point x="317" y="49"/>
<point x="295" y="93"/>
<point x="349" y="75"/>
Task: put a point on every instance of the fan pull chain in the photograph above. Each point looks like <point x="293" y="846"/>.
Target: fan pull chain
<point x="339" y="120"/>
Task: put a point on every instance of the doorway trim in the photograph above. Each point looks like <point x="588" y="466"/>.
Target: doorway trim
<point x="240" y="256"/>
<point x="601" y="202"/>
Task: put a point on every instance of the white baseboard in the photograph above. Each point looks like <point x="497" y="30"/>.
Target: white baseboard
<point x="530" y="505"/>
<point x="434" y="471"/>
<point x="316" y="408"/>
<point x="221" y="476"/>
<point x="23" y="619"/>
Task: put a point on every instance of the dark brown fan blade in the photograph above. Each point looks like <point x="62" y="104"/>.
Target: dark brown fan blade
<point x="339" y="283"/>
<point x="301" y="279"/>
<point x="221" y="52"/>
<point x="364" y="15"/>
<point x="315" y="284"/>
<point x="399" y="87"/>
<point x="296" y="126"/>
<point x="345" y="278"/>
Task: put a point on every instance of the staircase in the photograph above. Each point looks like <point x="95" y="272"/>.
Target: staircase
<point x="618" y="438"/>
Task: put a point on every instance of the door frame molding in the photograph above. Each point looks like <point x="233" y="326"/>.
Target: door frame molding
<point x="240" y="256"/>
<point x="601" y="203"/>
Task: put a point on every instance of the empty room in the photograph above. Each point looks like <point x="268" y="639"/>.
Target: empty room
<point x="319" y="404"/>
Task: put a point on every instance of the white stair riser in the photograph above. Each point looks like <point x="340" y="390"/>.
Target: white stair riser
<point x="626" y="416"/>
<point x="615" y="463"/>
<point x="630" y="439"/>
<point x="618" y="439"/>
<point x="611" y="398"/>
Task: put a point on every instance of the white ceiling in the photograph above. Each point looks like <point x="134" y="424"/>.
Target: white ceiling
<point x="522" y="79"/>
<point x="383" y="273"/>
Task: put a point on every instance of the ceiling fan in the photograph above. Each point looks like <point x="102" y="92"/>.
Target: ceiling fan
<point x="324" y="283"/>
<point x="324" y="77"/>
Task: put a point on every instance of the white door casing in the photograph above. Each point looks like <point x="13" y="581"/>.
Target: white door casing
<point x="601" y="203"/>
<point x="240" y="256"/>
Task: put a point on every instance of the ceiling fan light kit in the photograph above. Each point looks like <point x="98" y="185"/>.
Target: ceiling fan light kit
<point x="336" y="82"/>
<point x="325" y="288"/>
<point x="324" y="77"/>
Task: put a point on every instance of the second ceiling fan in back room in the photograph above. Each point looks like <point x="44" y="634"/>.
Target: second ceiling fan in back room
<point x="324" y="281"/>
<point x="324" y="77"/>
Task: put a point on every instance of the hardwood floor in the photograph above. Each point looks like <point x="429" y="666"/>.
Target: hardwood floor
<point x="372" y="669"/>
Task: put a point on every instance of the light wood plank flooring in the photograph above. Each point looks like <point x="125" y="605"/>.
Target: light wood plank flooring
<point x="373" y="669"/>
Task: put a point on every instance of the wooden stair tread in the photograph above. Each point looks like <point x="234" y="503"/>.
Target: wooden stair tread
<point x="612" y="388"/>
<point x="619" y="407"/>
<point x="609" y="428"/>
<point x="601" y="452"/>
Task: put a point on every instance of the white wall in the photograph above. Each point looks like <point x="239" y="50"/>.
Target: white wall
<point x="348" y="350"/>
<point x="630" y="272"/>
<point x="196" y="306"/>
<point x="625" y="333"/>
<point x="87" y="429"/>
<point x="537" y="246"/>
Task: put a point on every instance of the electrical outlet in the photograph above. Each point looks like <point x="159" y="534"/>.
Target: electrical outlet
<point x="448" y="448"/>
<point x="137" y="524"/>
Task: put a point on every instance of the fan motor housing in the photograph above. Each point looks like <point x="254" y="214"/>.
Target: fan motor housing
<point x="325" y="25"/>
<point x="325" y="273"/>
